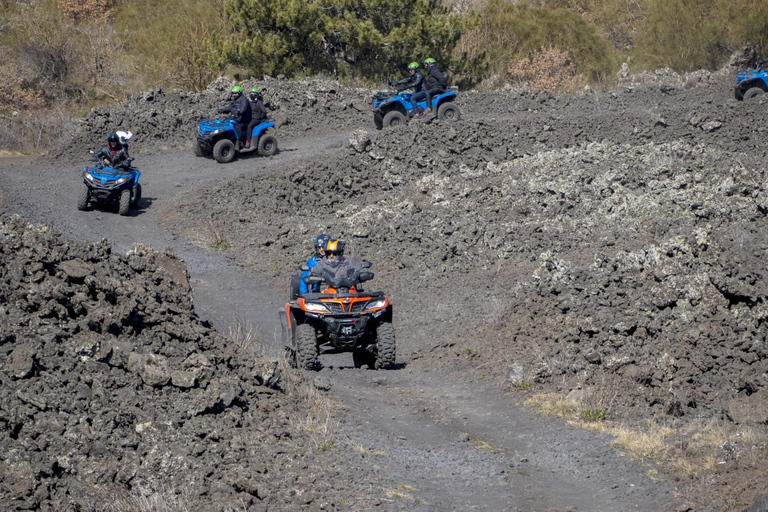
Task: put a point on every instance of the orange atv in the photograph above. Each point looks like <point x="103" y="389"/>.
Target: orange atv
<point x="343" y="318"/>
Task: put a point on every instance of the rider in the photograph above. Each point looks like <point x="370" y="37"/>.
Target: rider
<point x="319" y="244"/>
<point x="239" y="109"/>
<point x="258" y="113"/>
<point x="435" y="82"/>
<point x="415" y="81"/>
<point x="114" y="153"/>
<point x="335" y="265"/>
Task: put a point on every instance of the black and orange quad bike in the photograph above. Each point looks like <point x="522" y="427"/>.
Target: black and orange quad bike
<point x="343" y="318"/>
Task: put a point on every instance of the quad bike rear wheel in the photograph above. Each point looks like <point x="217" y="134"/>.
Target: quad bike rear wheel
<point x="83" y="197"/>
<point x="125" y="202"/>
<point x="267" y="145"/>
<point x="306" y="347"/>
<point x="385" y="340"/>
<point x="224" y="151"/>
<point x="753" y="92"/>
<point x="448" y="112"/>
<point x="393" y="119"/>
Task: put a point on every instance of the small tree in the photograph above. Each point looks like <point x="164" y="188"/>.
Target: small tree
<point x="363" y="38"/>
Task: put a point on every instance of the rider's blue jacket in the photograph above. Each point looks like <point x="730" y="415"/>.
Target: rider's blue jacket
<point x="311" y="262"/>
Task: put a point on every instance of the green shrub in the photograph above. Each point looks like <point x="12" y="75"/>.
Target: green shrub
<point x="367" y="38"/>
<point x="680" y="34"/>
<point x="508" y="32"/>
<point x="170" y="40"/>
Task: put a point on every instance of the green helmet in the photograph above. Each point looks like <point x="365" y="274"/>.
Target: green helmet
<point x="236" y="89"/>
<point x="413" y="65"/>
<point x="254" y="91"/>
<point x="429" y="61"/>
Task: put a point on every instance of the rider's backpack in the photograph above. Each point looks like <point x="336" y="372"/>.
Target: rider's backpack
<point x="440" y="76"/>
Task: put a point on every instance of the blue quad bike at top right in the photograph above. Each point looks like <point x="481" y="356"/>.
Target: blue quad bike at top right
<point x="391" y="108"/>
<point x="752" y="82"/>
<point x="219" y="138"/>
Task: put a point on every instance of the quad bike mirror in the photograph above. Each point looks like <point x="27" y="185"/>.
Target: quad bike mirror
<point x="365" y="276"/>
<point x="303" y="267"/>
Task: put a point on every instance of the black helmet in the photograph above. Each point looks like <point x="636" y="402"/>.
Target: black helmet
<point x="112" y="137"/>
<point x="321" y="240"/>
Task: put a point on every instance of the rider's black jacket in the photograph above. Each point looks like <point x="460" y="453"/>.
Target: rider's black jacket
<point x="258" y="110"/>
<point x="240" y="109"/>
<point x="415" y="81"/>
<point x="434" y="77"/>
<point x="115" y="157"/>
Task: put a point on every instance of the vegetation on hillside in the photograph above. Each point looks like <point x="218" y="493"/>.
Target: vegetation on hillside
<point x="59" y="57"/>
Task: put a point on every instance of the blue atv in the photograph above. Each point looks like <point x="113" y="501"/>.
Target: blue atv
<point x="217" y="137"/>
<point x="110" y="185"/>
<point x="752" y="82"/>
<point x="391" y="108"/>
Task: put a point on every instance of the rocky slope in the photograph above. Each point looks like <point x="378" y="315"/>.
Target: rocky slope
<point x="609" y="247"/>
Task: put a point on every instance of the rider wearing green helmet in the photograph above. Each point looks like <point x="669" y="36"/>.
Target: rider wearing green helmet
<point x="415" y="81"/>
<point x="239" y="109"/>
<point x="258" y="113"/>
<point x="436" y="82"/>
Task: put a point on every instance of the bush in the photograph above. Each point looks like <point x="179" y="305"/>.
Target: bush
<point x="549" y="69"/>
<point x="367" y="38"/>
<point x="170" y="40"/>
<point x="509" y="32"/>
<point x="684" y="35"/>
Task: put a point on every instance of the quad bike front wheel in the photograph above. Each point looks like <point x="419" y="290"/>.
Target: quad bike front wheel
<point x="378" y="121"/>
<point x="224" y="151"/>
<point x="753" y="92"/>
<point x="393" y="119"/>
<point x="125" y="202"/>
<point x="83" y="197"/>
<point x="136" y="195"/>
<point x="306" y="347"/>
<point x="448" y="112"/>
<point x="197" y="148"/>
<point x="385" y="341"/>
<point x="267" y="145"/>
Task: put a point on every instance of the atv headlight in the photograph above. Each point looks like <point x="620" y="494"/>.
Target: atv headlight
<point x="216" y="132"/>
<point x="122" y="180"/>
<point x="316" y="307"/>
<point x="376" y="304"/>
<point x="88" y="176"/>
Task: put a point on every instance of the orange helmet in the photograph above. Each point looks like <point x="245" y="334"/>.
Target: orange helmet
<point x="336" y="246"/>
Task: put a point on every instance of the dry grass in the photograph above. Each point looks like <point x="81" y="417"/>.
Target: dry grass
<point x="320" y="420"/>
<point x="245" y="335"/>
<point x="549" y="69"/>
<point x="673" y="447"/>
<point x="211" y="233"/>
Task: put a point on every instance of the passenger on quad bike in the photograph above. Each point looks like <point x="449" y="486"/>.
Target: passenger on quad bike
<point x="335" y="265"/>
<point x="319" y="244"/>
<point x="258" y="113"/>
<point x="240" y="110"/>
<point x="437" y="81"/>
<point x="415" y="81"/>
<point x="114" y="154"/>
